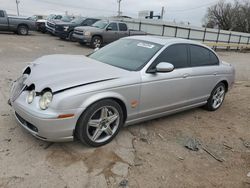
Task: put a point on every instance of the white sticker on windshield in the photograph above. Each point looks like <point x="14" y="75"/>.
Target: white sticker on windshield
<point x="145" y="45"/>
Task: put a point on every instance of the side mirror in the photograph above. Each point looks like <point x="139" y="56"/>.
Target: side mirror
<point x="109" y="28"/>
<point x="164" y="67"/>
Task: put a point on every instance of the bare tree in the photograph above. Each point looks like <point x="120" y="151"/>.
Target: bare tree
<point x="229" y="16"/>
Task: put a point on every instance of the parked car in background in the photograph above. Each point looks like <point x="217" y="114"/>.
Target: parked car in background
<point x="41" y="23"/>
<point x="50" y="24"/>
<point x="65" y="30"/>
<point x="17" y="24"/>
<point x="134" y="79"/>
<point x="103" y="32"/>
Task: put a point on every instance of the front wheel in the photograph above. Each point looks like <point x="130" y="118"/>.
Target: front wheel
<point x="100" y="123"/>
<point x="216" y="98"/>
<point x="70" y="37"/>
<point x="96" y="42"/>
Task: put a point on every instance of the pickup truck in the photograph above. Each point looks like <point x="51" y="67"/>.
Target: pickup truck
<point x="103" y="32"/>
<point x="50" y="24"/>
<point x="20" y="25"/>
<point x="41" y="23"/>
<point x="65" y="30"/>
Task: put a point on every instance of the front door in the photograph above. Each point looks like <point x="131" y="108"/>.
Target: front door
<point x="161" y="92"/>
<point x="111" y="33"/>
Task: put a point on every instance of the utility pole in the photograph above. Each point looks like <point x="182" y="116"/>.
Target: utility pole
<point x="17" y="8"/>
<point x="119" y="8"/>
<point x="162" y="12"/>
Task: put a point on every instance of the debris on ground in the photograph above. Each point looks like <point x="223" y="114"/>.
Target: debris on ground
<point x="245" y="143"/>
<point x="212" y="154"/>
<point x="192" y="144"/>
<point x="248" y="174"/>
<point x="162" y="137"/>
<point x="4" y="115"/>
<point x="181" y="158"/>
<point x="7" y="139"/>
<point x="227" y="146"/>
<point x="123" y="183"/>
<point x="144" y="140"/>
<point x="48" y="145"/>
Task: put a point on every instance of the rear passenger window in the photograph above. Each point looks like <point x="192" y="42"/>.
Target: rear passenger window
<point x="176" y="55"/>
<point x="1" y="14"/>
<point x="201" y="56"/>
<point x="123" y="27"/>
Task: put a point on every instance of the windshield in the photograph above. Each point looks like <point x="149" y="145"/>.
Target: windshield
<point x="77" y="20"/>
<point x="66" y="18"/>
<point x="100" y="24"/>
<point x="128" y="54"/>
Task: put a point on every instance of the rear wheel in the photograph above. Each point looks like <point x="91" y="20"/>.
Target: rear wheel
<point x="23" y="30"/>
<point x="100" y="123"/>
<point x="216" y="98"/>
<point x="96" y="42"/>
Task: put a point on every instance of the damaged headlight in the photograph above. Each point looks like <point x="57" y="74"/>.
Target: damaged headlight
<point x="45" y="100"/>
<point x="31" y="96"/>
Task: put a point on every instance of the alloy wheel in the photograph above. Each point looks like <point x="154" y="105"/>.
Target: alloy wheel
<point x="218" y="97"/>
<point x="103" y="124"/>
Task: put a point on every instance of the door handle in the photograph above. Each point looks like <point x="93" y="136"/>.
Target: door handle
<point x="185" y="75"/>
<point x="215" y="73"/>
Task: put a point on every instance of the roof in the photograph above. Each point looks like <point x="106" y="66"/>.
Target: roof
<point x="163" y="40"/>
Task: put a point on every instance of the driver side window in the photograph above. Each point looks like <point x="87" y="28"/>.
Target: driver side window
<point x="176" y="54"/>
<point x="113" y="26"/>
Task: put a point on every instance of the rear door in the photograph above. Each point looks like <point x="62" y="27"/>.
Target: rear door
<point x="204" y="73"/>
<point x="123" y="30"/>
<point x="161" y="92"/>
<point x="3" y="21"/>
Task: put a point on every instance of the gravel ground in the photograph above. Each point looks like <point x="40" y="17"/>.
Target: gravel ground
<point x="151" y="154"/>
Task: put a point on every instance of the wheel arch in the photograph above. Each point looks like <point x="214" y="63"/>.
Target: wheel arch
<point x="103" y="96"/>
<point x="225" y="82"/>
<point x="23" y="24"/>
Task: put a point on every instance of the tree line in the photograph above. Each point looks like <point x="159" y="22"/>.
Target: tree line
<point x="229" y="16"/>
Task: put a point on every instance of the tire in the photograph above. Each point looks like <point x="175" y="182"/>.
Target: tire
<point x="70" y="37"/>
<point x="216" y="98"/>
<point x="100" y="123"/>
<point x="96" y="42"/>
<point x="23" y="30"/>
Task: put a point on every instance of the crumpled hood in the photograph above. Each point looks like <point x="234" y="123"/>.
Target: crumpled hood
<point x="60" y="72"/>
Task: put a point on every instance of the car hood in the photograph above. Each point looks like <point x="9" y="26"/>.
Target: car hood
<point x="60" y="72"/>
<point x="88" y="28"/>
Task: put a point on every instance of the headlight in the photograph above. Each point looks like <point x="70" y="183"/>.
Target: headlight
<point x="45" y="100"/>
<point x="31" y="96"/>
<point x="87" y="33"/>
<point x="66" y="28"/>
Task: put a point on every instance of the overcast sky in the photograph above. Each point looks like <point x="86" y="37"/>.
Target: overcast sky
<point x="179" y="10"/>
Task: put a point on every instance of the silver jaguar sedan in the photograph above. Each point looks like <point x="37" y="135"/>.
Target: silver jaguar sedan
<point x="62" y="97"/>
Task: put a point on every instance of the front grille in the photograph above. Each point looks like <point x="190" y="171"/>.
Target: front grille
<point x="78" y="32"/>
<point x="25" y="123"/>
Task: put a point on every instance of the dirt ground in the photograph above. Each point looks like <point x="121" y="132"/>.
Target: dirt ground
<point x="151" y="154"/>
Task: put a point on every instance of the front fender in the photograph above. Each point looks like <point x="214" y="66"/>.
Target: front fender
<point x="100" y="96"/>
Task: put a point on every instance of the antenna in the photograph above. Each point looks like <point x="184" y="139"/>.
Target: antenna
<point x="119" y="8"/>
<point x="17" y="8"/>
